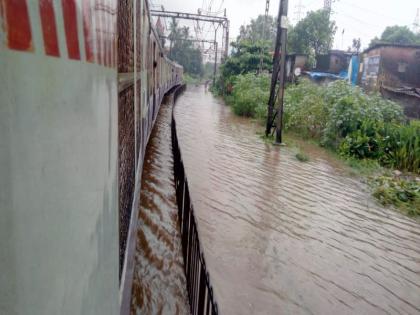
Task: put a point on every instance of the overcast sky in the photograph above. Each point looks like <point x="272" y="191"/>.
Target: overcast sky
<point x="363" y="19"/>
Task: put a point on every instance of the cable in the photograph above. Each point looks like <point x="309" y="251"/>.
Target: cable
<point x="371" y="11"/>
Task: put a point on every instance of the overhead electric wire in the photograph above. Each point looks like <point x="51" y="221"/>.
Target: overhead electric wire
<point x="376" y="12"/>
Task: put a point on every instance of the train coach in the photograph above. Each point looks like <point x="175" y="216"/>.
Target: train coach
<point x="81" y="86"/>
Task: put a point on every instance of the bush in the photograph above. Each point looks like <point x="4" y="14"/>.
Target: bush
<point x="356" y="125"/>
<point x="349" y="108"/>
<point x="249" y="95"/>
<point x="401" y="147"/>
<point x="403" y="193"/>
<point x="305" y="110"/>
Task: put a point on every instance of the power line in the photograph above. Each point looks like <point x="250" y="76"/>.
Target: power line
<point x="376" y="12"/>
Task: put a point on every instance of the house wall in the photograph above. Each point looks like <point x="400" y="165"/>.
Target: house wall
<point x="370" y="70"/>
<point x="400" y="66"/>
<point x="390" y="66"/>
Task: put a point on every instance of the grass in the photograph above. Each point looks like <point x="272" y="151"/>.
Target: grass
<point x="302" y="157"/>
<point x="390" y="188"/>
<point x="403" y="193"/>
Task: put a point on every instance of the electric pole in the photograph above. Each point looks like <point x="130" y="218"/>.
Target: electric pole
<point x="280" y="93"/>
<point x="279" y="65"/>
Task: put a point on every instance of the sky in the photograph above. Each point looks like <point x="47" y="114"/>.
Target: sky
<point x="362" y="19"/>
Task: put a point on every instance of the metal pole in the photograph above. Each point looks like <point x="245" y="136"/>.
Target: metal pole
<point x="215" y="56"/>
<point x="280" y="94"/>
<point x="267" y="7"/>
<point x="274" y="77"/>
<point x="227" y="38"/>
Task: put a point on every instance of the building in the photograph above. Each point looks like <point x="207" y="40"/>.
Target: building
<point x="393" y="70"/>
<point x="295" y="64"/>
<point x="335" y="62"/>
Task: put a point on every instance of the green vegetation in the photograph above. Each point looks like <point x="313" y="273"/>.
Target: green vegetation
<point x="313" y="35"/>
<point x="397" y="35"/>
<point x="302" y="157"/>
<point x="255" y="31"/>
<point x="402" y="193"/>
<point x="366" y="130"/>
<point x="191" y="79"/>
<point x="354" y="124"/>
<point x="249" y="95"/>
<point x="183" y="51"/>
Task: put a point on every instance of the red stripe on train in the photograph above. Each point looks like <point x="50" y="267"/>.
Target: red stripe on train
<point x="98" y="26"/>
<point x="105" y="31"/>
<point x="108" y="43"/>
<point x="49" y="27"/>
<point x="87" y="30"/>
<point x="18" y="28"/>
<point x="70" y="28"/>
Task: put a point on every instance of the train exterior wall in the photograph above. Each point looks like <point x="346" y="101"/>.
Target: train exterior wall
<point x="76" y="112"/>
<point x="58" y="158"/>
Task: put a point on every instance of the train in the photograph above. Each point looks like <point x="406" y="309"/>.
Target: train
<point x="81" y="86"/>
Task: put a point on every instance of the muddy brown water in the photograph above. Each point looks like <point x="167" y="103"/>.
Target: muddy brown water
<point x="159" y="285"/>
<point x="281" y="236"/>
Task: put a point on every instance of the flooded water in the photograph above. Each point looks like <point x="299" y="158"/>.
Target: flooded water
<point x="159" y="283"/>
<point x="285" y="237"/>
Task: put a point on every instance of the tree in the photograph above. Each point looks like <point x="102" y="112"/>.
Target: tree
<point x="397" y="35"/>
<point x="313" y="35"/>
<point x="256" y="31"/>
<point x="246" y="58"/>
<point x="183" y="52"/>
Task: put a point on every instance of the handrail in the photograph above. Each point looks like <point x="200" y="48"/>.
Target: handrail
<point x="200" y="291"/>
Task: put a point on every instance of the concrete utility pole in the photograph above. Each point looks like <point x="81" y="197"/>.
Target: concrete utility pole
<point x="280" y="93"/>
<point x="279" y="65"/>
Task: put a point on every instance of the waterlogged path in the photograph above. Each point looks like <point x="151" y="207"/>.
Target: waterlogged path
<point x="159" y="283"/>
<point x="285" y="237"/>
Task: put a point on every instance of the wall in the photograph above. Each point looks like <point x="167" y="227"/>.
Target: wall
<point x="370" y="70"/>
<point x="400" y="66"/>
<point x="391" y="66"/>
<point x="58" y="159"/>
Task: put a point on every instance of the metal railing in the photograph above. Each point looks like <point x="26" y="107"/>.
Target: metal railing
<point x="200" y="291"/>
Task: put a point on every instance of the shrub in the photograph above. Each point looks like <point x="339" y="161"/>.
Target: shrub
<point x="305" y="110"/>
<point x="250" y="95"/>
<point x="302" y="157"/>
<point x="401" y="147"/>
<point x="357" y="125"/>
<point x="403" y="193"/>
<point x="350" y="108"/>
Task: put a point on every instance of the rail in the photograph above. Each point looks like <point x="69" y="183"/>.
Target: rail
<point x="200" y="291"/>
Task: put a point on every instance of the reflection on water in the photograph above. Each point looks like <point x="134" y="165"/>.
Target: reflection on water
<point x="285" y="237"/>
<point x="159" y="282"/>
